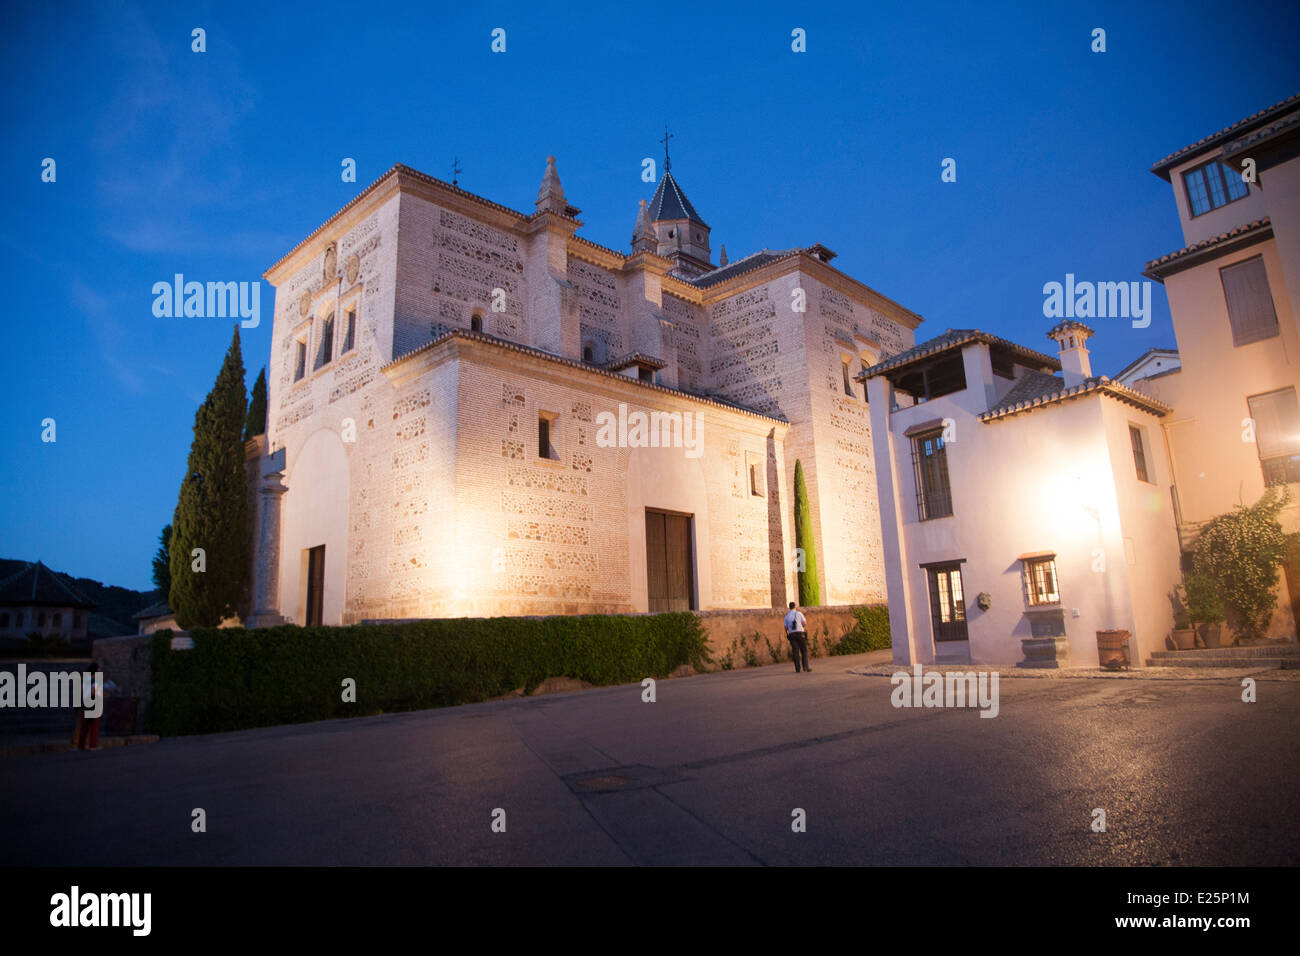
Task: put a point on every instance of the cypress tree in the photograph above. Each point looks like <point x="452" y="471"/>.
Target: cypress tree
<point x="212" y="509"/>
<point x="809" y="594"/>
<point x="162" y="566"/>
<point x="256" y="423"/>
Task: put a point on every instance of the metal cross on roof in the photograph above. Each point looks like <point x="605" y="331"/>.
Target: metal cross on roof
<point x="668" y="163"/>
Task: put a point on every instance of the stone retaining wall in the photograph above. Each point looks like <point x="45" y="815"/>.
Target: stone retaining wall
<point x="125" y="661"/>
<point x="731" y="633"/>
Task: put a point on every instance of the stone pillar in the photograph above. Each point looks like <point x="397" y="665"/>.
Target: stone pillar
<point x="266" y="579"/>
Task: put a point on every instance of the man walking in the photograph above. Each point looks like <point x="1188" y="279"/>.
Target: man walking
<point x="796" y="630"/>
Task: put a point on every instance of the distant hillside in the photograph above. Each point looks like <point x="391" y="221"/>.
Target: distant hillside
<point x="114" y="606"/>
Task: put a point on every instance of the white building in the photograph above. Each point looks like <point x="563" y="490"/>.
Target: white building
<point x="1017" y="505"/>
<point x="1234" y="296"/>
<point x="1148" y="365"/>
<point x="441" y="368"/>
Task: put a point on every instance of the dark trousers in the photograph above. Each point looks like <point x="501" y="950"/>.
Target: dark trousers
<point x="799" y="650"/>
<point x="87" y="732"/>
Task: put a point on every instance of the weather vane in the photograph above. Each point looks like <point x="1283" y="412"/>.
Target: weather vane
<point x="455" y="171"/>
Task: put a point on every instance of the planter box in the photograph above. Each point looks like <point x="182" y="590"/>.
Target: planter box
<point x="1210" y="634"/>
<point x="1044" y="652"/>
<point x="1184" y="639"/>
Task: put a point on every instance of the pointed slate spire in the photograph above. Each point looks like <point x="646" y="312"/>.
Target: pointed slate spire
<point x="643" y="234"/>
<point x="670" y="202"/>
<point x="550" y="195"/>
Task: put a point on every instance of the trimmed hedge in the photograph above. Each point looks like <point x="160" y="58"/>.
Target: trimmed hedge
<point x="234" y="679"/>
<point x="871" y="634"/>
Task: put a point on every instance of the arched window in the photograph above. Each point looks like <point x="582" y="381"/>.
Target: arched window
<point x="40" y="619"/>
<point x="58" y="619"/>
<point x="476" y="324"/>
<point x="4" y="620"/>
<point x="588" y="353"/>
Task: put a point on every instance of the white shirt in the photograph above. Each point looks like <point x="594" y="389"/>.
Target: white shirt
<point x="794" y="621"/>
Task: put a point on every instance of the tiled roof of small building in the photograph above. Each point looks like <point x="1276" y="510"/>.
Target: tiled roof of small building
<point x="755" y="260"/>
<point x="1162" y="167"/>
<point x="670" y="202"/>
<point x="1043" y="390"/>
<point x="1156" y="267"/>
<point x="1029" y="386"/>
<point x="36" y="584"/>
<point x="1142" y="358"/>
<point x="1259" y="135"/>
<point x="635" y="358"/>
<point x="161" y="609"/>
<point x="951" y="339"/>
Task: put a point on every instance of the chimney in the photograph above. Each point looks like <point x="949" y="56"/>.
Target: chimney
<point x="1071" y="340"/>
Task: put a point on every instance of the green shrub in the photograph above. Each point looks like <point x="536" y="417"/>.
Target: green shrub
<point x="871" y="633"/>
<point x="1204" y="605"/>
<point x="1241" y="552"/>
<point x="235" y="679"/>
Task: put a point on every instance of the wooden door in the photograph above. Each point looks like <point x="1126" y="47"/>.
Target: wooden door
<point x="670" y="570"/>
<point x="315" y="585"/>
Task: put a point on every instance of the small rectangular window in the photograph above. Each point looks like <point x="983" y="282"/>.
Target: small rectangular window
<point x="546" y="428"/>
<point x="1139" y="454"/>
<point x="848" y="379"/>
<point x="1040" y="581"/>
<point x="349" y="331"/>
<point x="300" y="363"/>
<point x="754" y="466"/>
<point x="1250" y="302"/>
<point x="1213" y="185"/>
<point x="1277" y="434"/>
<point x="326" y="352"/>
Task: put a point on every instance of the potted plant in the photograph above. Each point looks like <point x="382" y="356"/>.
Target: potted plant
<point x="1205" y="608"/>
<point x="1184" y="638"/>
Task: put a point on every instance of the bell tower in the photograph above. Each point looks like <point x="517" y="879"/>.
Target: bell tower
<point x="681" y="233"/>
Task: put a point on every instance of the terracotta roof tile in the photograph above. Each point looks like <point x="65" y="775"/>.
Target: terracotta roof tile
<point x="1206" y="244"/>
<point x="1161" y="168"/>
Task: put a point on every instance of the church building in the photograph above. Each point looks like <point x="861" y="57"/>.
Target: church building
<point x="476" y="411"/>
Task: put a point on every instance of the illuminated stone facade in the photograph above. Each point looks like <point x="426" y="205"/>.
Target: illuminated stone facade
<point x="441" y="368"/>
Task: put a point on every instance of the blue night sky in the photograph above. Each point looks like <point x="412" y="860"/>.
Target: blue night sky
<point x="215" y="164"/>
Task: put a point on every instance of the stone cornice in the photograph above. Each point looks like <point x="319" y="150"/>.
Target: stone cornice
<point x="416" y="362"/>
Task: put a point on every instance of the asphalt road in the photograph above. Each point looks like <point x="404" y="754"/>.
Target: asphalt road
<point x="708" y="774"/>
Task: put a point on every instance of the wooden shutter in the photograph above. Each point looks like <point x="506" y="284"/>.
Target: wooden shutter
<point x="1250" y="303"/>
